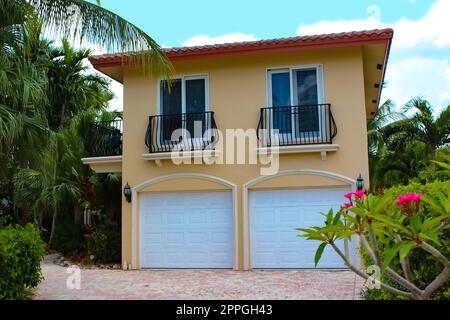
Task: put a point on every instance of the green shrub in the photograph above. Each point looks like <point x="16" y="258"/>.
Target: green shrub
<point x="104" y="244"/>
<point x="425" y="267"/>
<point x="21" y="252"/>
<point x="68" y="236"/>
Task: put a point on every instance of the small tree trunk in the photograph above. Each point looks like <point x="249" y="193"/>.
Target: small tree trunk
<point x="62" y="117"/>
<point x="25" y="213"/>
<point x="52" y="233"/>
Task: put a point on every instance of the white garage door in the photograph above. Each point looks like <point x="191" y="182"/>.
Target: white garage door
<point x="274" y="216"/>
<point x="187" y="230"/>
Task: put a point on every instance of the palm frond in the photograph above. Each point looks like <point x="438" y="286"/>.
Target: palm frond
<point x="90" y="23"/>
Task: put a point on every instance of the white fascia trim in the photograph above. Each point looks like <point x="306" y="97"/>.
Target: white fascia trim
<point x="299" y="149"/>
<point x="185" y="155"/>
<point x="99" y="160"/>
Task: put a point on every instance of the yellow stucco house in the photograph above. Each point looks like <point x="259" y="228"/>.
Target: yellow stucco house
<point x="199" y="196"/>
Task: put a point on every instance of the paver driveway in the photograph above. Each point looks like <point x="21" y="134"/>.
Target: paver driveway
<point x="101" y="284"/>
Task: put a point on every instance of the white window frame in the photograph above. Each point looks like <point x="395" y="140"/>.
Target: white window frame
<point x="183" y="79"/>
<point x="320" y="95"/>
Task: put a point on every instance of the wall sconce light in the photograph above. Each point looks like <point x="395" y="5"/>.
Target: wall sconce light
<point x="127" y="192"/>
<point x="359" y="183"/>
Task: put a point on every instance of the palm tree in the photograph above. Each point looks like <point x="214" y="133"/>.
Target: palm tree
<point x="51" y="186"/>
<point x="399" y="146"/>
<point x="70" y="89"/>
<point x="424" y="126"/>
<point x="89" y="23"/>
<point x="377" y="139"/>
<point x="384" y="117"/>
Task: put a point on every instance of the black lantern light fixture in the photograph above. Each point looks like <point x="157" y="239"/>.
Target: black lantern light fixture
<point x="360" y="183"/>
<point x="127" y="192"/>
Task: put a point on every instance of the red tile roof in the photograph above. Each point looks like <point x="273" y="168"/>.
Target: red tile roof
<point x="277" y="45"/>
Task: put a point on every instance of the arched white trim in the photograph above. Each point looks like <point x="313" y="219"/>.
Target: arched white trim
<point x="193" y="175"/>
<point x="174" y="176"/>
<point x="290" y="172"/>
<point x="252" y="182"/>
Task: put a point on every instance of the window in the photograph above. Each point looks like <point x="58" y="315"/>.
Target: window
<point x="294" y="96"/>
<point x="183" y="104"/>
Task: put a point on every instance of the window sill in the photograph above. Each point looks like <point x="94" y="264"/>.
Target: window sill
<point x="112" y="164"/>
<point x="186" y="155"/>
<point x="323" y="149"/>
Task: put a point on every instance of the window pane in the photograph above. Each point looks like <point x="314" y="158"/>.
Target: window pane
<point x="306" y="86"/>
<point x="195" y="95"/>
<point x="306" y="96"/>
<point x="281" y="100"/>
<point x="281" y="90"/>
<point x="195" y="106"/>
<point x="170" y="119"/>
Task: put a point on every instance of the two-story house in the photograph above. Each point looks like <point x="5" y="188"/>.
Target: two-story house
<point x="304" y="100"/>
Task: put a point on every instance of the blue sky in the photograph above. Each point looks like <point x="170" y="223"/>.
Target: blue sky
<point x="419" y="63"/>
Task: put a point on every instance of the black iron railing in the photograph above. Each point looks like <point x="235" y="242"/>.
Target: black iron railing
<point x="104" y="138"/>
<point x="186" y="131"/>
<point x="296" y="125"/>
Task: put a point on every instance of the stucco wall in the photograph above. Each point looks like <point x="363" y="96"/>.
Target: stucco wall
<point x="237" y="91"/>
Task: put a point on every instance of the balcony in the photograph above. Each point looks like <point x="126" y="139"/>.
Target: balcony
<point x="297" y="129"/>
<point x="187" y="132"/>
<point x="104" y="139"/>
<point x="103" y="145"/>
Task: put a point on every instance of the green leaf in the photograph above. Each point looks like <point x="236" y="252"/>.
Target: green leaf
<point x="358" y="211"/>
<point x="432" y="203"/>
<point x="405" y="249"/>
<point x="336" y="219"/>
<point x="433" y="236"/>
<point x="390" y="253"/>
<point x="390" y="222"/>
<point x="319" y="253"/>
<point x="414" y="223"/>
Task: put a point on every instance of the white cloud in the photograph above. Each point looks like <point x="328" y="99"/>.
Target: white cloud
<point x="418" y="76"/>
<point x="415" y="67"/>
<point x="227" y="38"/>
<point x="430" y="30"/>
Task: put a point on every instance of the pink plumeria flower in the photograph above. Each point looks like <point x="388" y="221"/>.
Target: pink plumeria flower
<point x="349" y="196"/>
<point x="359" y="194"/>
<point x="348" y="205"/>
<point x="410" y="197"/>
<point x="416" y="197"/>
<point x="409" y="203"/>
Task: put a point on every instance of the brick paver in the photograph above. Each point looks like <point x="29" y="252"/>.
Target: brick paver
<point x="102" y="284"/>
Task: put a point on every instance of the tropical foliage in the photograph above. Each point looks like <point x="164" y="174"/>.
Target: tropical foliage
<point x="391" y="231"/>
<point x="47" y="99"/>
<point x="403" y="145"/>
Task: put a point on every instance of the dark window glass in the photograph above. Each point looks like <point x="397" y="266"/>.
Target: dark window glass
<point x="306" y="88"/>
<point x="195" y="107"/>
<point x="281" y="101"/>
<point x="170" y="119"/>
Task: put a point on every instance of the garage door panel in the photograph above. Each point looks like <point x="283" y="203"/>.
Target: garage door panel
<point x="264" y="217"/>
<point x="274" y="216"/>
<point x="187" y="230"/>
<point x="219" y="237"/>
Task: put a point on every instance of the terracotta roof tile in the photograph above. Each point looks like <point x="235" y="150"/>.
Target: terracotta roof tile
<point x="293" y="43"/>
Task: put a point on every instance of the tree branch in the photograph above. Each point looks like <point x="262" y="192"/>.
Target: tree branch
<point x="440" y="280"/>
<point x="435" y="253"/>
<point x="366" y="276"/>
<point x="405" y="262"/>
<point x="374" y="242"/>
<point x="389" y="272"/>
